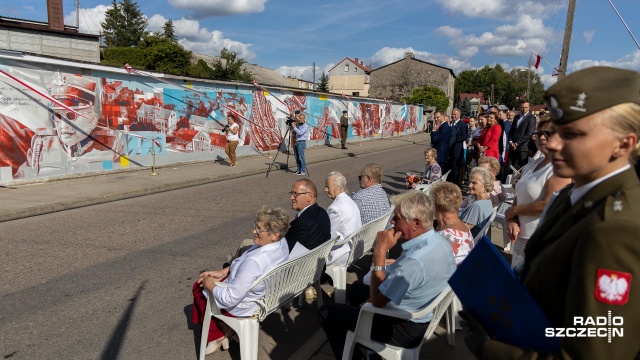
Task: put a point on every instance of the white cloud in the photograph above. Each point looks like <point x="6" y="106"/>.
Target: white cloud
<point x="499" y="9"/>
<point x="588" y="36"/>
<point x="468" y="52"/>
<point x="449" y="31"/>
<point x="90" y="19"/>
<point x="201" y="40"/>
<point x="206" y="8"/>
<point x="388" y="55"/>
<point x="525" y="27"/>
<point x="630" y="61"/>
<point x="304" y="72"/>
<point x="29" y="8"/>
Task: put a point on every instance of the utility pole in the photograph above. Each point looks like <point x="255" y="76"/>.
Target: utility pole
<point x="313" y="87"/>
<point x="78" y="14"/>
<point x="564" y="57"/>
<point x="528" y="83"/>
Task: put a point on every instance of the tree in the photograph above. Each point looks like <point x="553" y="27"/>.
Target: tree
<point x="323" y="84"/>
<point x="170" y="31"/>
<point x="201" y="70"/>
<point x="164" y="55"/>
<point x="124" y="24"/>
<point x="229" y="67"/>
<point x="429" y="96"/>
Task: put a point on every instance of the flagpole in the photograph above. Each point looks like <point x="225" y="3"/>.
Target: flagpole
<point x="564" y="58"/>
<point x="625" y="24"/>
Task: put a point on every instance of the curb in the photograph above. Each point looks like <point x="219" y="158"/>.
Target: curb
<point x="61" y="206"/>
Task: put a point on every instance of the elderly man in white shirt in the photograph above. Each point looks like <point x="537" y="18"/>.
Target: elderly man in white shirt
<point x="344" y="215"/>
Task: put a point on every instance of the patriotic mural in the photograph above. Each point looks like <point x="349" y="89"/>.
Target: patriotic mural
<point x="62" y="119"/>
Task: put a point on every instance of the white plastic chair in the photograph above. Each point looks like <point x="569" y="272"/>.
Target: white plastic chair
<point x="444" y="177"/>
<point x="282" y="284"/>
<point x="439" y="306"/>
<point x="361" y="242"/>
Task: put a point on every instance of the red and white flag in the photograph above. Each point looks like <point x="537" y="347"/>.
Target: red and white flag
<point x="345" y="96"/>
<point x="534" y="60"/>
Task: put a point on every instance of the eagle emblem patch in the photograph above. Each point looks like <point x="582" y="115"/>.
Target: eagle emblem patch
<point x="612" y="287"/>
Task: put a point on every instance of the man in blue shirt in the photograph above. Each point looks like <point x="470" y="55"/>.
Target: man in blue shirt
<point x="410" y="283"/>
<point x="301" y="133"/>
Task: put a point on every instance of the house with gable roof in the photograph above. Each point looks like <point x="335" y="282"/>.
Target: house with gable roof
<point x="350" y="77"/>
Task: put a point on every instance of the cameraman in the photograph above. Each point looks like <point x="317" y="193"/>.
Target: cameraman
<point x="301" y="130"/>
<point x="232" y="138"/>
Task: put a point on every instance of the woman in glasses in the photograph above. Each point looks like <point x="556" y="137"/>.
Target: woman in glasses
<point x="269" y="249"/>
<point x="533" y="190"/>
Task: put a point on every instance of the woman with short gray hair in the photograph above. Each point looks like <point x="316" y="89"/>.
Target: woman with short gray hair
<point x="477" y="208"/>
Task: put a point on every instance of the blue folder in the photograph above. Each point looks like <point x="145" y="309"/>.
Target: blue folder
<point x="487" y="286"/>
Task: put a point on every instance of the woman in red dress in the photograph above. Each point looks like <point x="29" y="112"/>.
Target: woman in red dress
<point x="488" y="142"/>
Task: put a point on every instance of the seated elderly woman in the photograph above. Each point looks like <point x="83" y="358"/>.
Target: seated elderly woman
<point x="446" y="198"/>
<point x="432" y="170"/>
<point x="269" y="249"/>
<point x="490" y="163"/>
<point x="477" y="208"/>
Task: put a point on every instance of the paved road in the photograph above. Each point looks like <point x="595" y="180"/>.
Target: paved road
<point x="113" y="280"/>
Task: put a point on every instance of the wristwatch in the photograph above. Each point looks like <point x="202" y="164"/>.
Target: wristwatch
<point x="377" y="268"/>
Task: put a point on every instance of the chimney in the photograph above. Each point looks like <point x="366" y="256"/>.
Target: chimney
<point x="356" y="60"/>
<point x="409" y="55"/>
<point x="361" y="62"/>
<point x="56" y="16"/>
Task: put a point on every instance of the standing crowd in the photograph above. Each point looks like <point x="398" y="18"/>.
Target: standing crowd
<point x="574" y="223"/>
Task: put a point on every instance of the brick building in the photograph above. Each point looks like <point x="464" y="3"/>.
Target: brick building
<point x="397" y="79"/>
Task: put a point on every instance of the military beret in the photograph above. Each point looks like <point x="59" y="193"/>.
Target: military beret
<point x="344" y="111"/>
<point x="297" y="112"/>
<point x="588" y="91"/>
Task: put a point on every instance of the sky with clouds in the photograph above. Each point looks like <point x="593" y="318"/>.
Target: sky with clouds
<point x="290" y="35"/>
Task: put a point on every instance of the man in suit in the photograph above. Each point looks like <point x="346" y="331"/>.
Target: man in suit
<point x="343" y="214"/>
<point x="459" y="136"/>
<point x="311" y="226"/>
<point x="519" y="136"/>
<point x="440" y="139"/>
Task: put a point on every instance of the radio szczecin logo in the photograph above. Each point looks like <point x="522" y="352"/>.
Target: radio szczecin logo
<point x="590" y="327"/>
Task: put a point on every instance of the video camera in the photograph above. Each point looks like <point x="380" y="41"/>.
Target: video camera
<point x="225" y="128"/>
<point x="290" y="120"/>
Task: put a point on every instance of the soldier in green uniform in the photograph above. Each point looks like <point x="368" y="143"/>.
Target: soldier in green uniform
<point x="344" y="127"/>
<point x="583" y="261"/>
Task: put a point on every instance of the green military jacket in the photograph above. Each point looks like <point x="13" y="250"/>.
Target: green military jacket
<point x="344" y="120"/>
<point x="584" y="261"/>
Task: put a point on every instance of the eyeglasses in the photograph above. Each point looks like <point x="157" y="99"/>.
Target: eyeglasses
<point x="257" y="229"/>
<point x="361" y="176"/>
<point x="296" y="194"/>
<point x="546" y="133"/>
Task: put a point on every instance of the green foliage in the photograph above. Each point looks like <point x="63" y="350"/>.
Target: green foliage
<point x="429" y="96"/>
<point x="201" y="70"/>
<point x="323" y="84"/>
<point x="170" y="31"/>
<point x="162" y="54"/>
<point x="154" y="52"/>
<point x="506" y="85"/>
<point x="124" y="24"/>
<point x="119" y="56"/>
<point x="229" y="67"/>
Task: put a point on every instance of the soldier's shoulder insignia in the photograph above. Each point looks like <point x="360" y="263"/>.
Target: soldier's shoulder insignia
<point x="612" y="287"/>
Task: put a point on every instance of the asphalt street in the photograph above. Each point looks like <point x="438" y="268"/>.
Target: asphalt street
<point x="112" y="281"/>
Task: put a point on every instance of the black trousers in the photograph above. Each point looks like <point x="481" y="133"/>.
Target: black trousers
<point x="337" y="319"/>
<point x="517" y="159"/>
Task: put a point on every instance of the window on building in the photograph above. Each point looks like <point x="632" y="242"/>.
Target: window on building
<point x="355" y="69"/>
<point x="346" y="67"/>
<point x="355" y="94"/>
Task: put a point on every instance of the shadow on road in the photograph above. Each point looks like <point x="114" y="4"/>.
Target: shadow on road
<point x="116" y="340"/>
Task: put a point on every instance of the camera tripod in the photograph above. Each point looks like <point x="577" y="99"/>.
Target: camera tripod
<point x="288" y="148"/>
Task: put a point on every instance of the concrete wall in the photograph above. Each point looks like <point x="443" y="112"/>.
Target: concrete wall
<point x="96" y="118"/>
<point x="66" y="45"/>
<point x="397" y="80"/>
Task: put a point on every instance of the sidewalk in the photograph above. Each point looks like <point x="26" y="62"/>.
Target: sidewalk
<point x="42" y="197"/>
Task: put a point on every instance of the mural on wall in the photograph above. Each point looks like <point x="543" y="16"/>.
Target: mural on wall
<point x="65" y="120"/>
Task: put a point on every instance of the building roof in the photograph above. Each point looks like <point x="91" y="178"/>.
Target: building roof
<point x="186" y="134"/>
<point x="263" y="75"/>
<point x="41" y="26"/>
<point x="364" y="68"/>
<point x="415" y="59"/>
<point x="470" y="96"/>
